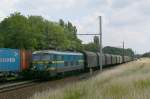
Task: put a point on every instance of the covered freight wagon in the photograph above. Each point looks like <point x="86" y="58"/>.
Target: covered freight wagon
<point x="108" y="60"/>
<point x="91" y="60"/>
<point x="103" y="59"/>
<point x="14" y="60"/>
<point x="113" y="59"/>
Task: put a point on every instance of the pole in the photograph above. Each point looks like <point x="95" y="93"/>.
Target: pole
<point x="100" y="34"/>
<point x="134" y="55"/>
<point x="123" y="51"/>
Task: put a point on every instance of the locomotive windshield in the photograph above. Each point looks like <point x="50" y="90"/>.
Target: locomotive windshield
<point x="36" y="57"/>
<point x="41" y="57"/>
<point x="45" y="57"/>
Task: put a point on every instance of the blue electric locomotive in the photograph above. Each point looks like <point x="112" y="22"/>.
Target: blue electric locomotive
<point x="55" y="62"/>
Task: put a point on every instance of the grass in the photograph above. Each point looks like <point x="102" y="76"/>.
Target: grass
<point x="128" y="81"/>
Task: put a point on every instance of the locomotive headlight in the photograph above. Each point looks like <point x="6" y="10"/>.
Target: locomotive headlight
<point x="45" y="66"/>
<point x="52" y="68"/>
<point x="33" y="67"/>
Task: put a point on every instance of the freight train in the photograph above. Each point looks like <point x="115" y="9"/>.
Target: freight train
<point x="57" y="62"/>
<point x="52" y="63"/>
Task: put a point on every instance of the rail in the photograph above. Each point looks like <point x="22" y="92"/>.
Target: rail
<point x="15" y="86"/>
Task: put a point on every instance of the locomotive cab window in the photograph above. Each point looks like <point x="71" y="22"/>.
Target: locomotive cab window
<point x="36" y="57"/>
<point x="45" y="57"/>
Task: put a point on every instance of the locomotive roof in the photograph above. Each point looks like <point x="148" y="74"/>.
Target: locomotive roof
<point x="57" y="52"/>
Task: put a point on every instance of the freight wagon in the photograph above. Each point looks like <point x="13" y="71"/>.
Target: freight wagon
<point x="14" y="60"/>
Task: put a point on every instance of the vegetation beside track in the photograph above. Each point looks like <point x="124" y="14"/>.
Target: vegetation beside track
<point x="128" y="81"/>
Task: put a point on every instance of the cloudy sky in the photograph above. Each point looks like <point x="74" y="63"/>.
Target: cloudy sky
<point x="127" y="20"/>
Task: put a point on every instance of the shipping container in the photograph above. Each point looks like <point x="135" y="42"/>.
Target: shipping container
<point x="14" y="60"/>
<point x="9" y="60"/>
<point x="26" y="57"/>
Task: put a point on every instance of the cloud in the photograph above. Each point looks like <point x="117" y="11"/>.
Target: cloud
<point x="52" y="9"/>
<point x="51" y="4"/>
<point x="7" y="7"/>
<point x="119" y="4"/>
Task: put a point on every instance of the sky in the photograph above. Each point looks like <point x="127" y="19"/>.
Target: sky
<point x="122" y="20"/>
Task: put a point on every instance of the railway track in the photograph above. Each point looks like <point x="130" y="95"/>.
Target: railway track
<point x="18" y="85"/>
<point x="23" y="84"/>
<point x="25" y="91"/>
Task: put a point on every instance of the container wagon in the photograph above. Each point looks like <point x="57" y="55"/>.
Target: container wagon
<point x="14" y="60"/>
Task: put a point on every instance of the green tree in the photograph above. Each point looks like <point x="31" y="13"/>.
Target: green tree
<point x="16" y="32"/>
<point x="38" y="28"/>
<point x="34" y="32"/>
<point x="1" y="41"/>
<point x="118" y="51"/>
<point x="93" y="46"/>
<point x="61" y="23"/>
<point x="90" y="47"/>
<point x="72" y="29"/>
<point x="56" y="37"/>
